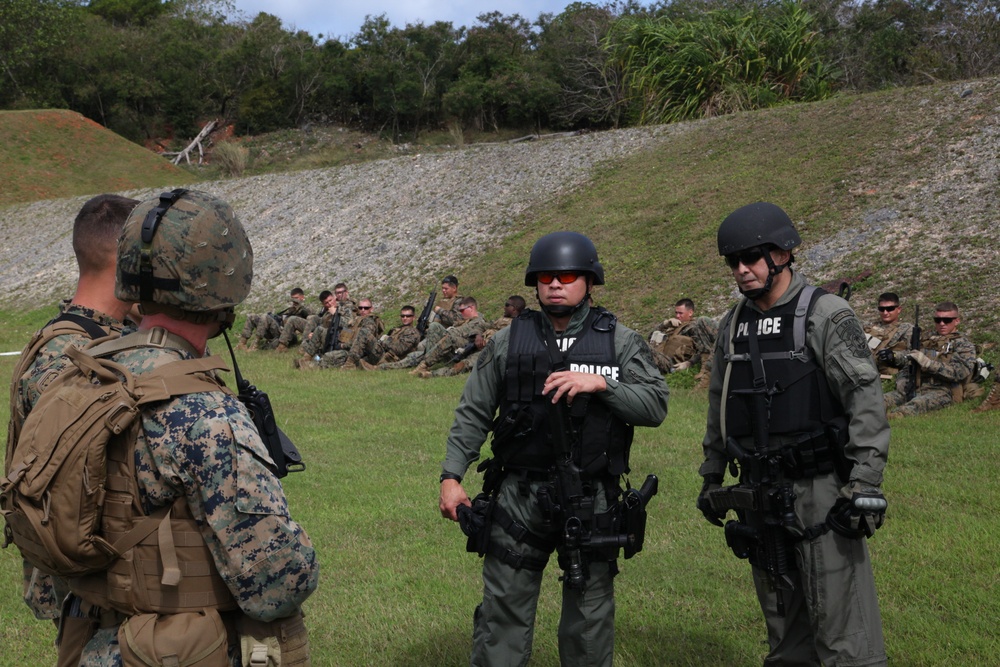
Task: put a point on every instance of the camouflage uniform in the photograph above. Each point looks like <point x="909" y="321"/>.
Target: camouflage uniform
<point x="204" y="447"/>
<point x="466" y="365"/>
<point x="44" y="593"/>
<point x="455" y="339"/>
<point x="268" y="326"/>
<point x="353" y="340"/>
<point x="395" y="345"/>
<point x="895" y="337"/>
<point x="449" y="316"/>
<point x="953" y="358"/>
<point x="315" y="327"/>
<point x="435" y="332"/>
<point x="691" y="341"/>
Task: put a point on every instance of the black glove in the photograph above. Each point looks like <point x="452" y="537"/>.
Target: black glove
<point x="859" y="511"/>
<point x="711" y="483"/>
<point x="887" y="357"/>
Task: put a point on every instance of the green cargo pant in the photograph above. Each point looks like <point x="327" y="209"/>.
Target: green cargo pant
<point x="504" y="621"/>
<point x="832" y="616"/>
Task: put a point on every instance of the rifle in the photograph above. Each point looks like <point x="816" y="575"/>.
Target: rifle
<point x="575" y="509"/>
<point x="911" y="390"/>
<point x="284" y="455"/>
<point x="280" y="317"/>
<point x="466" y="350"/>
<point x="776" y="503"/>
<point x="425" y="314"/>
<point x="332" y="341"/>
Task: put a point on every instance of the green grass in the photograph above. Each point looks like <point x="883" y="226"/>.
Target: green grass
<point x="56" y="154"/>
<point x="397" y="587"/>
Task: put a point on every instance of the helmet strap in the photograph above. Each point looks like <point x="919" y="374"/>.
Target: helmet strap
<point x="772" y="270"/>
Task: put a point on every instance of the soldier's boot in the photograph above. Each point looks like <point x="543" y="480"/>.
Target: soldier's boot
<point x="703" y="379"/>
<point x="367" y="366"/>
<point x="420" y="370"/>
<point x="350" y="364"/>
<point x="281" y="348"/>
<point x="242" y="345"/>
<point x="992" y="400"/>
<point x="305" y="364"/>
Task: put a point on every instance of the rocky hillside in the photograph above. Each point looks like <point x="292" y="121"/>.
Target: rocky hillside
<point x="915" y="205"/>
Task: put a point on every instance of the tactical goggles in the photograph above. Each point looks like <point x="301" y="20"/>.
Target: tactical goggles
<point x="564" y="277"/>
<point x="944" y="320"/>
<point x="746" y="258"/>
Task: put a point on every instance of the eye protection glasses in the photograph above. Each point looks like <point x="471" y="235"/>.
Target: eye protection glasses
<point x="944" y="320"/>
<point x="887" y="309"/>
<point x="746" y="258"/>
<point x="564" y="277"/>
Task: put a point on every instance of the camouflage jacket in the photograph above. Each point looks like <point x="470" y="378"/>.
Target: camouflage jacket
<point x="204" y="447"/>
<point x="401" y="340"/>
<point x="895" y="337"/>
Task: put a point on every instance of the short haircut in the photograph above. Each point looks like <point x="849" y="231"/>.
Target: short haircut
<point x="468" y="301"/>
<point x="96" y="230"/>
<point x="450" y="279"/>
<point x="340" y="286"/>
<point x="364" y="300"/>
<point x="408" y="307"/>
<point x="517" y="302"/>
<point x="891" y="297"/>
<point x="324" y="295"/>
<point x="946" y="307"/>
<point x="297" y="291"/>
<point x="687" y="304"/>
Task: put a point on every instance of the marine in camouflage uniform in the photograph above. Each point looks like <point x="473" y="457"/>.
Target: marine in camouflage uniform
<point x="314" y="339"/>
<point x="456" y="337"/>
<point x="446" y="308"/>
<point x="940" y="368"/>
<point x="203" y="449"/>
<point x="268" y="326"/>
<point x="368" y="350"/>
<point x="93" y="312"/>
<point x="366" y="326"/>
<point x="890" y="333"/>
<point x="512" y="308"/>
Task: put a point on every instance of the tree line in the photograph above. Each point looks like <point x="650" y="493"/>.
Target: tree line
<point x="152" y="68"/>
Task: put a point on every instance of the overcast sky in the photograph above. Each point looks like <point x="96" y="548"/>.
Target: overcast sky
<point x="342" y="18"/>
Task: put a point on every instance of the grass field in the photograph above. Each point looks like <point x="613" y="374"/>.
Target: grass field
<point x="398" y="589"/>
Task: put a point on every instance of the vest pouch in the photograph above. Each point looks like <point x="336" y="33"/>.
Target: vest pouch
<point x="281" y="643"/>
<point x="191" y="639"/>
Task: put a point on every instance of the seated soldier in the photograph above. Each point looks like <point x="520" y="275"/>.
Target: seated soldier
<point x="267" y="326"/>
<point x="455" y="338"/>
<point x="330" y="345"/>
<point x="294" y="325"/>
<point x="446" y="309"/>
<point x="890" y="333"/>
<point x="368" y="350"/>
<point x="465" y="359"/>
<point x="934" y="376"/>
<point x="683" y="340"/>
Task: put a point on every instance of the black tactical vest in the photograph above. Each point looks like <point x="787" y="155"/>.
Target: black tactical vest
<point x="797" y="397"/>
<point x="521" y="435"/>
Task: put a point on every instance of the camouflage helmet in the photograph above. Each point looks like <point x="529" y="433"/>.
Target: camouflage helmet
<point x="563" y="251"/>
<point x="185" y="254"/>
<point x="754" y="225"/>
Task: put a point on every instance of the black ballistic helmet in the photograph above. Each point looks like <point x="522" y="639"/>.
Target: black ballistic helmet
<point x="754" y="225"/>
<point x="563" y="251"/>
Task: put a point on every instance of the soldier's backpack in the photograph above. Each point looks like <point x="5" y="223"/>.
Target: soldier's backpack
<point x="53" y="491"/>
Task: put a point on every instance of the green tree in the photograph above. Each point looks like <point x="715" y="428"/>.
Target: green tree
<point x="30" y="32"/>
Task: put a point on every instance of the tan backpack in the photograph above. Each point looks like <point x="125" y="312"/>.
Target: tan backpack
<point x="52" y="495"/>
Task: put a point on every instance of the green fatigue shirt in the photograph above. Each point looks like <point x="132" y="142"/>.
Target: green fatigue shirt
<point x="639" y="396"/>
<point x="448" y="315"/>
<point x="835" y="337"/>
<point x="953" y="356"/>
<point x="895" y="337"/>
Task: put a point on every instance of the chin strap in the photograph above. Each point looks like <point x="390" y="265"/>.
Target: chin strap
<point x="562" y="311"/>
<point x="772" y="270"/>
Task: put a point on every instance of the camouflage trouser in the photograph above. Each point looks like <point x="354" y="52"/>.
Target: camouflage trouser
<point x="366" y="343"/>
<point x="464" y="366"/>
<point x="435" y="332"/>
<point x="333" y="359"/>
<point x="927" y="399"/>
<point x="266" y="328"/>
<point x="444" y="349"/>
<point x="295" y="326"/>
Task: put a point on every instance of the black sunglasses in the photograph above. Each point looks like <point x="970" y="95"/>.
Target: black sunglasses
<point x="886" y="309"/>
<point x="944" y="320"/>
<point x="746" y="258"/>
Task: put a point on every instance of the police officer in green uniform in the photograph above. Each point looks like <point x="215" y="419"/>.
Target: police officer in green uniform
<point x="611" y="384"/>
<point x="795" y="404"/>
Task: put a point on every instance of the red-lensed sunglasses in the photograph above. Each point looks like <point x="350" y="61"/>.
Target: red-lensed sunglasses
<point x="564" y="277"/>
